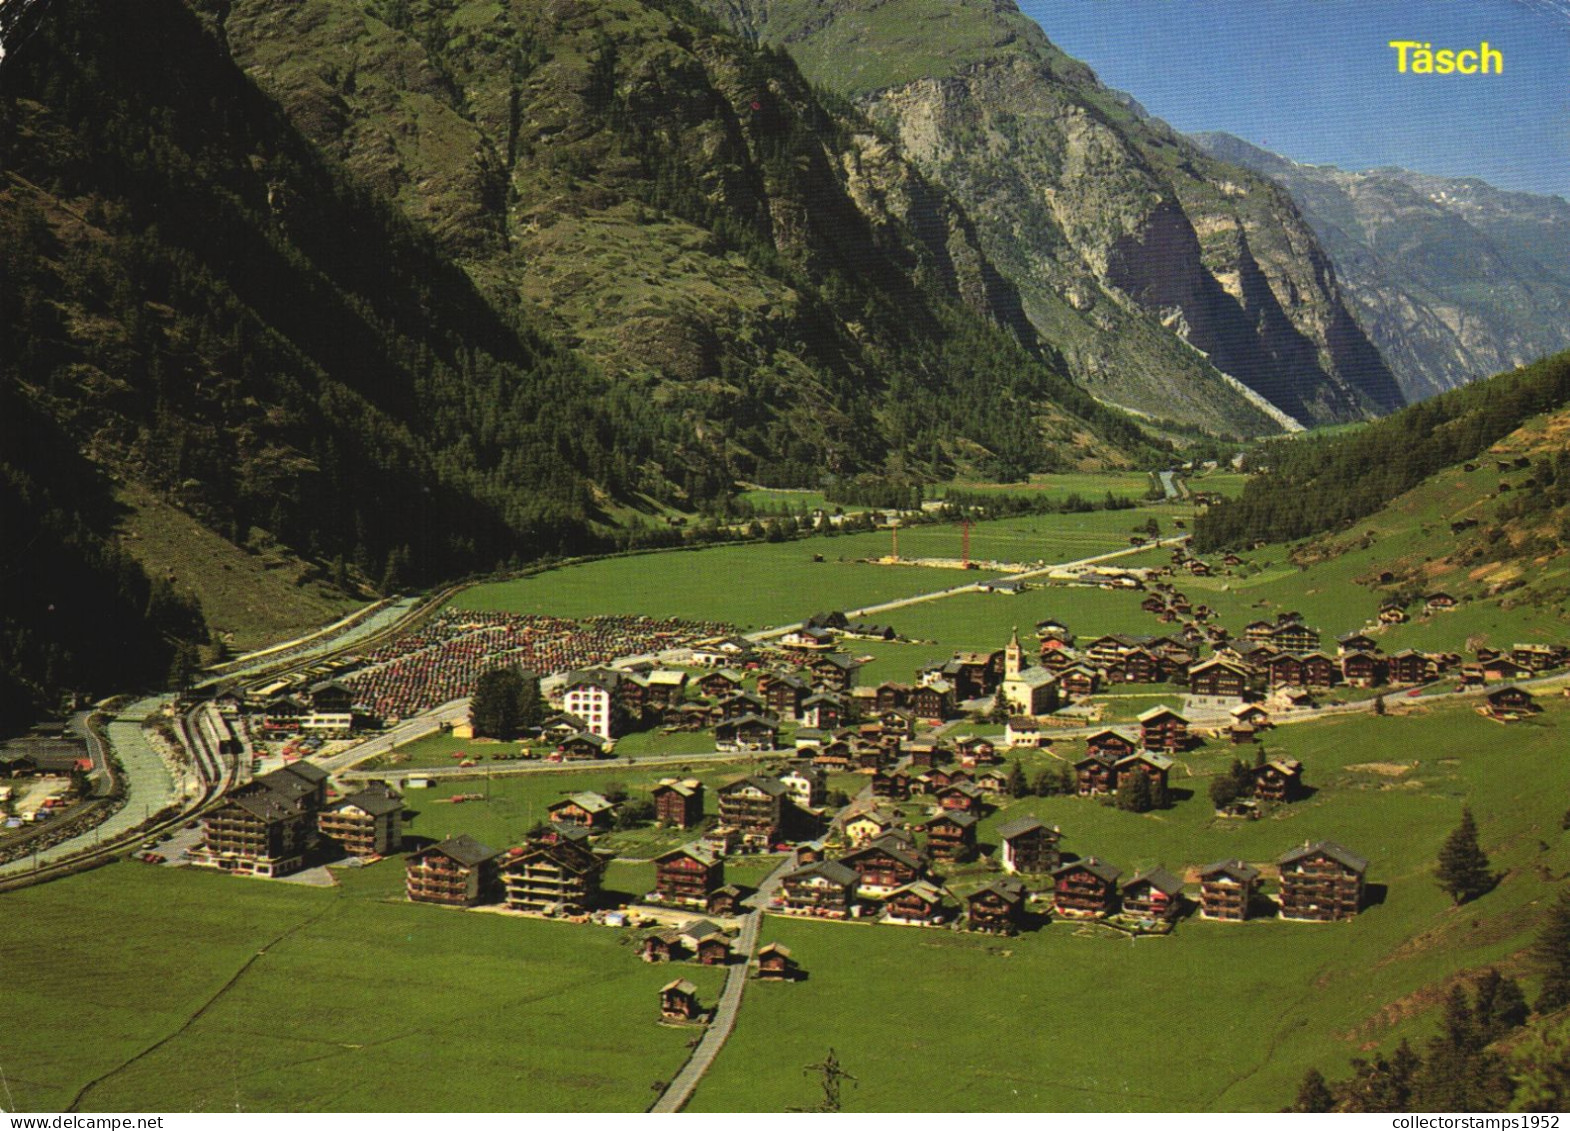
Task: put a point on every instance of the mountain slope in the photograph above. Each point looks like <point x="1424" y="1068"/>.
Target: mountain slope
<point x="313" y="325"/>
<point x="686" y="210"/>
<point x="1451" y="278"/>
<point x="1125" y="240"/>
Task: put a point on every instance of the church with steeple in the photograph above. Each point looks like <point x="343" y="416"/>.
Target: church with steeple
<point x="1027" y="689"/>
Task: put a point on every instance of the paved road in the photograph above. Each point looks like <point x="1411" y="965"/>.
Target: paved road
<point x="685" y="1082"/>
<point x="149" y="785"/>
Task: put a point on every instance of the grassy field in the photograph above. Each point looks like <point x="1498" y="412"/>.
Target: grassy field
<point x="1216" y="1016"/>
<point x="300" y="999"/>
<point x="757" y="585"/>
<point x="1092" y="486"/>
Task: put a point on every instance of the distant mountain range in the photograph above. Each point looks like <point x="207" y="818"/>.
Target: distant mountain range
<point x="1172" y="283"/>
<point x="1451" y="278"/>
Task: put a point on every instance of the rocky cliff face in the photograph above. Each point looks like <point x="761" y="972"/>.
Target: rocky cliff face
<point x="1149" y="264"/>
<point x="1451" y="279"/>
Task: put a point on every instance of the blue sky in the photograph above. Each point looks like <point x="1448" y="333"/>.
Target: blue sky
<point x="1315" y="80"/>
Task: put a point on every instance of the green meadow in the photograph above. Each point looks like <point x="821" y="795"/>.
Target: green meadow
<point x="1216" y="1016"/>
<point x="153" y="989"/>
<point x="761" y="584"/>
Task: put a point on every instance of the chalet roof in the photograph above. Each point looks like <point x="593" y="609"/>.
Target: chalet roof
<point x="593" y="677"/>
<point x="1132" y="737"/>
<point x="842" y="660"/>
<point x="574" y="833"/>
<point x="465" y="850"/>
<point x="774" y="948"/>
<point x="564" y="853"/>
<point x="681" y="986"/>
<point x="831" y="870"/>
<point x="1149" y="757"/>
<point x="968" y="788"/>
<point x="1158" y="878"/>
<point x="1102" y="759"/>
<point x="699" y="929"/>
<point x="823" y="699"/>
<point x="1218" y="662"/>
<point x="670" y="936"/>
<point x="1094" y="865"/>
<point x="685" y="787"/>
<point x="588" y="802"/>
<point x="766" y="785"/>
<point x="921" y="889"/>
<point x="587" y="736"/>
<point x="697" y="851"/>
<point x="1284" y="765"/>
<point x="331" y="685"/>
<point x="1158" y="712"/>
<point x="806" y="773"/>
<point x="892" y="849"/>
<point x="956" y="817"/>
<point x="1007" y="887"/>
<point x="751" y="720"/>
<point x="1019" y="826"/>
<point x="729" y="675"/>
<point x="1236" y="869"/>
<point x="307" y="771"/>
<point x="286" y="784"/>
<point x="565" y="719"/>
<point x="1343" y="856"/>
<point x="376" y="802"/>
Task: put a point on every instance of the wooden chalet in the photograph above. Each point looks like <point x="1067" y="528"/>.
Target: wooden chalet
<point x="1118" y="742"/>
<point x="933" y="702"/>
<point x="1085" y="888"/>
<point x="1439" y="603"/>
<point x="688" y="875"/>
<point x="1363" y="669"/>
<point x="891" y="785"/>
<point x="586" y="810"/>
<point x="585" y="746"/>
<point x="1096" y="774"/>
<point x="1280" y="779"/>
<point x="1078" y="681"/>
<point x="776" y="964"/>
<point x="458" y="872"/>
<point x="1219" y="679"/>
<point x="560" y="877"/>
<point x="721" y="684"/>
<point x="756" y="808"/>
<point x="893" y="697"/>
<point x="823" y="710"/>
<point x="713" y="951"/>
<point x="994" y="782"/>
<point x="997" y="909"/>
<point x="785" y="695"/>
<point x="835" y="757"/>
<point x="679" y="1001"/>
<point x="1029" y="846"/>
<point x="926" y="755"/>
<point x="834" y="671"/>
<point x="1499" y="669"/>
<point x="1321" y="882"/>
<point x="974" y="751"/>
<point x="825" y="890"/>
<point x="951" y="835"/>
<point x="678" y="802"/>
<point x="1155" y="767"/>
<point x="960" y="796"/>
<point x="1538" y="657"/>
<point x="976" y="674"/>
<point x="1510" y="703"/>
<point x="1153" y="894"/>
<point x="663" y="945"/>
<point x="918" y="903"/>
<point x="1162" y="728"/>
<point x="1226" y="890"/>
<point x="747" y="734"/>
<point x="883" y="865"/>
<point x="366" y="823"/>
<point x="723" y="901"/>
<point x="1355" y="642"/>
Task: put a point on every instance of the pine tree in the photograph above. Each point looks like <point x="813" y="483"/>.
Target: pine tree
<point x="531" y="704"/>
<point x="1046" y="783"/>
<point x="1552" y="951"/>
<point x="1223" y="790"/>
<point x="1016" y="780"/>
<point x="493" y="709"/>
<point x="1463" y="870"/>
<point x="1134" y="793"/>
<point x="1313" y="1094"/>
